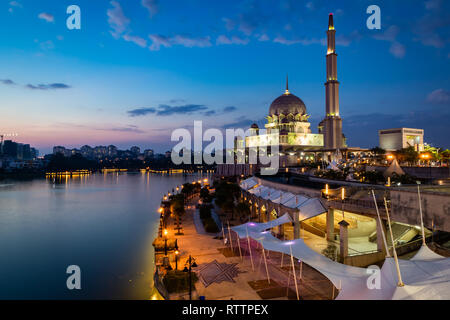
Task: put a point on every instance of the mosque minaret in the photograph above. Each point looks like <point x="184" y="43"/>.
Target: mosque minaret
<point x="332" y="124"/>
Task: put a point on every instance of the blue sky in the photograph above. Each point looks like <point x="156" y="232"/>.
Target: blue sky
<point x="138" y="69"/>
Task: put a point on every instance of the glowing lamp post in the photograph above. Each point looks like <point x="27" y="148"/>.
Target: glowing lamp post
<point x="176" y="259"/>
<point x="190" y="263"/>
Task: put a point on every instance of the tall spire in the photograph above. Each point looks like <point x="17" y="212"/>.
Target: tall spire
<point x="332" y="123"/>
<point x="287" y="84"/>
<point x="330" y="22"/>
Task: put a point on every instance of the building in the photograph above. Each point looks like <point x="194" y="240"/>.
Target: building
<point x="135" y="150"/>
<point x="10" y="149"/>
<point x="100" y="152"/>
<point x="396" y="139"/>
<point x="112" y="151"/>
<point x="87" y="151"/>
<point x="149" y="153"/>
<point x="288" y="121"/>
<point x="331" y="126"/>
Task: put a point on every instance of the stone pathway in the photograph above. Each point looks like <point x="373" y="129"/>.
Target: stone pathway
<point x="205" y="249"/>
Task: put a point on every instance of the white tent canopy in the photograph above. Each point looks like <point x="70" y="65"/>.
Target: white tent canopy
<point x="295" y="201"/>
<point x="426" y="276"/>
<point x="394" y="168"/>
<point x="248" y="183"/>
<point x="311" y="208"/>
<point x="333" y="166"/>
<point x="283" y="198"/>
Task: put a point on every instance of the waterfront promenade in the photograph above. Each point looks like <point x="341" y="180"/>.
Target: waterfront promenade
<point x="248" y="284"/>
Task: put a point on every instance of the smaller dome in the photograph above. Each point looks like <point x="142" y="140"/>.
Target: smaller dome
<point x="254" y="126"/>
<point x="285" y="120"/>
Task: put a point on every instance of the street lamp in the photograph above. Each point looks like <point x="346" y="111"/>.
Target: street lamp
<point x="176" y="259"/>
<point x="165" y="241"/>
<point x="190" y="263"/>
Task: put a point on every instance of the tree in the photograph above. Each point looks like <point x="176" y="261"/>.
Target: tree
<point x="378" y="151"/>
<point x="409" y="155"/>
<point x="204" y="194"/>
<point x="243" y="209"/>
<point x="446" y="155"/>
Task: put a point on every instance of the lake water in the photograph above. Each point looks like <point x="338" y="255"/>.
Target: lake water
<point x="104" y="223"/>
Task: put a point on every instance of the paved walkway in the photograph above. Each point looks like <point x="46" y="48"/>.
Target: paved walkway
<point x="205" y="249"/>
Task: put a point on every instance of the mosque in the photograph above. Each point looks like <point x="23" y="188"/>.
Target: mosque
<point x="288" y="126"/>
<point x="287" y="121"/>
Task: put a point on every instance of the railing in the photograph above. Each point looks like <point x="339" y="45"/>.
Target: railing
<point x="354" y="251"/>
<point x="368" y="204"/>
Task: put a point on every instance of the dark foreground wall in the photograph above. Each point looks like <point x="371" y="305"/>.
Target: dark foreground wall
<point x="435" y="207"/>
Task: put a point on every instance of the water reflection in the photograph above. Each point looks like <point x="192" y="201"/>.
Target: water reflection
<point x="105" y="223"/>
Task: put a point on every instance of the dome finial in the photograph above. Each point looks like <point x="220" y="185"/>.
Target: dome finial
<point x="287" y="84"/>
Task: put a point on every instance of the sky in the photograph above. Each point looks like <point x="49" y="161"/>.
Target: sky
<point x="138" y="69"/>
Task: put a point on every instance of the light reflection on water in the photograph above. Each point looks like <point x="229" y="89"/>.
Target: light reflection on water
<point x="105" y="223"/>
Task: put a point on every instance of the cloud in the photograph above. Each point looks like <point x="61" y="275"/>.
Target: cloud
<point x="433" y="4"/>
<point x="346" y="40"/>
<point x="225" y="110"/>
<point x="141" y="112"/>
<point x="166" y="110"/>
<point x="8" y="82"/>
<point x="14" y="4"/>
<point x="158" y="41"/>
<point x="192" y="42"/>
<point x="439" y="96"/>
<point x="229" y="23"/>
<point x="117" y="19"/>
<point x="46" y="16"/>
<point x="263" y="37"/>
<point x="151" y="6"/>
<point x="209" y="113"/>
<point x="397" y="50"/>
<point x="222" y="39"/>
<point x="51" y="86"/>
<point x="135" y="39"/>
<point x="430" y="28"/>
<point x="310" y="5"/>
<point x="390" y="35"/>
<point x="47" y="45"/>
<point x="186" y="41"/>
<point x="304" y="41"/>
<point x="229" y="109"/>
<point x="130" y="128"/>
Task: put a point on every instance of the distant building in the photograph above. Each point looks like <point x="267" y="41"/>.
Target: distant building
<point x="135" y="150"/>
<point x="149" y="153"/>
<point x="10" y="149"/>
<point x="58" y="149"/>
<point x="112" y="151"/>
<point x="399" y="138"/>
<point x="87" y="151"/>
<point x="34" y="153"/>
<point x="100" y="151"/>
<point x="168" y="154"/>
